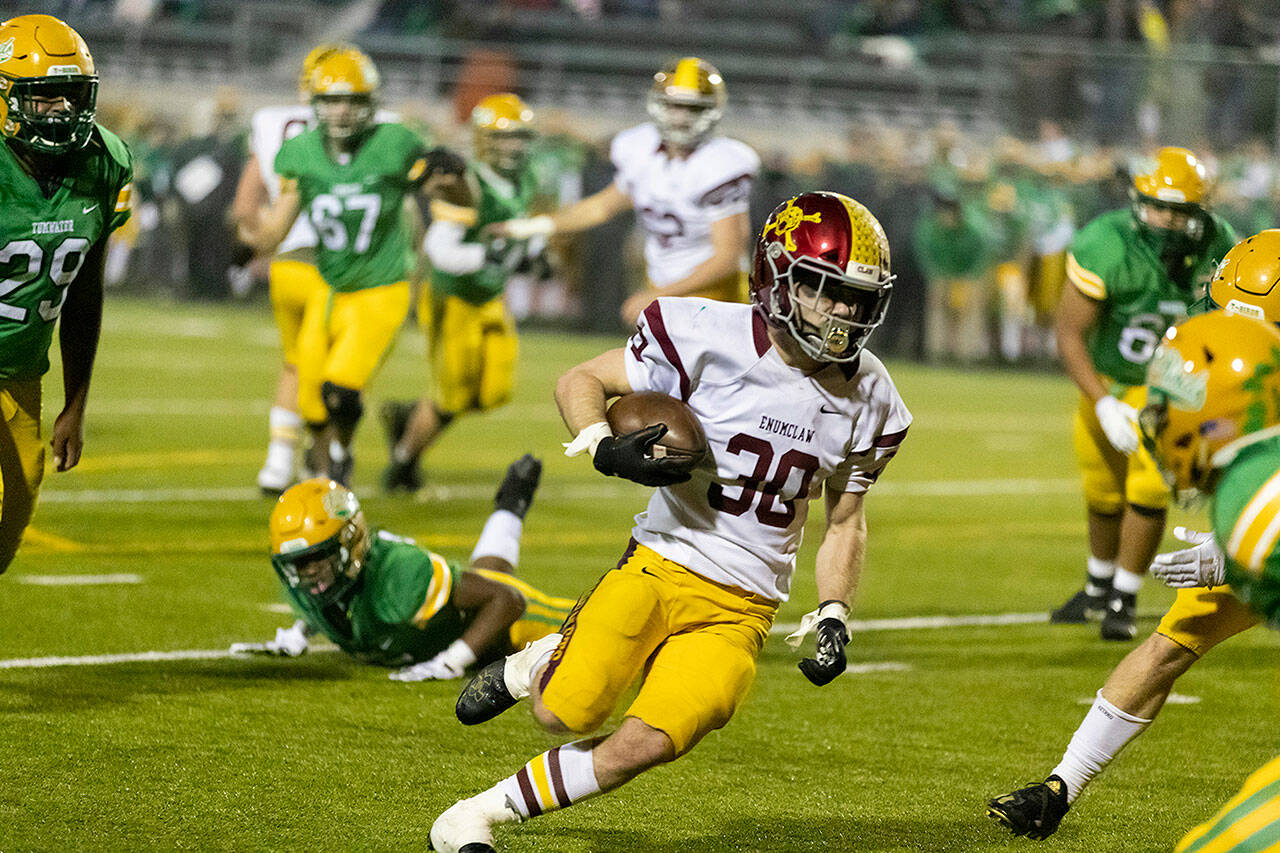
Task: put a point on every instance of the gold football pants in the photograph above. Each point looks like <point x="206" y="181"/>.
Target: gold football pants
<point x="1110" y="478"/>
<point x="473" y="351"/>
<point x="291" y="283"/>
<point x="21" y="462"/>
<point x="1201" y="618"/>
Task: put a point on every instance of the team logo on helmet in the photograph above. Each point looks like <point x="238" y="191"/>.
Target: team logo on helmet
<point x="340" y="503"/>
<point x="6" y="50"/>
<point x="787" y="221"/>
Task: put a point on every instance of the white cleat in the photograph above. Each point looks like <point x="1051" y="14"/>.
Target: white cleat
<point x="274" y="479"/>
<point x="466" y="825"/>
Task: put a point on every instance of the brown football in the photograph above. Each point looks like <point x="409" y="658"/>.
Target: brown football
<point x="684" y="437"/>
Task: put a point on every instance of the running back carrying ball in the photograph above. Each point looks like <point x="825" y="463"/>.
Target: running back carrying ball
<point x="684" y="437"/>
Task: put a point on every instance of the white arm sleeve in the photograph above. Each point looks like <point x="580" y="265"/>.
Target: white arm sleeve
<point x="447" y="251"/>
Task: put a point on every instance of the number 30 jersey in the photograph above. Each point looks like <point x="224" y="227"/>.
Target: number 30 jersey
<point x="46" y="240"/>
<point x="355" y="205"/>
<point x="776" y="437"/>
<point x="676" y="200"/>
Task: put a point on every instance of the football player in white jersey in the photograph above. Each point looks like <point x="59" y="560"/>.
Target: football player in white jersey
<point x="792" y="406"/>
<point x="292" y="276"/>
<point x="689" y="188"/>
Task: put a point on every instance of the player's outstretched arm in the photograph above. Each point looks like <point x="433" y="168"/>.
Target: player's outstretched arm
<point x="78" y="333"/>
<point x="289" y="642"/>
<point x="251" y="197"/>
<point x="274" y="224"/>
<point x="496" y="606"/>
<point x="836" y="569"/>
<point x="582" y="215"/>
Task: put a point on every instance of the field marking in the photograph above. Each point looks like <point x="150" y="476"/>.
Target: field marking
<point x="926" y="623"/>
<point x="79" y="580"/>
<point x="139" y="657"/>
<point x="879" y="666"/>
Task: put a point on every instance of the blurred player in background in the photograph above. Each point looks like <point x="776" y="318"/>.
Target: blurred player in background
<point x="66" y="187"/>
<point x="688" y="186"/>
<point x="471" y="335"/>
<point x="1211" y="424"/>
<point x="384" y="599"/>
<point x="1131" y="273"/>
<point x="351" y="176"/>
<point x="788" y="397"/>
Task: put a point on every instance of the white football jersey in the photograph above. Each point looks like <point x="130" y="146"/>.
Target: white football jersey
<point x="268" y="129"/>
<point x="676" y="200"/>
<point x="776" y="437"/>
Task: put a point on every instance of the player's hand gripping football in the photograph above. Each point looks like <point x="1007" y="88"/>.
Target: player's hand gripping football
<point x="443" y="166"/>
<point x="1203" y="564"/>
<point x="290" y="642"/>
<point x="833" y="636"/>
<point x="1119" y="423"/>
<point x="630" y="456"/>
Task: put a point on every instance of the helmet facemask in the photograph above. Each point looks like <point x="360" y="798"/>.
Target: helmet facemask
<point x="51" y="115"/>
<point x="507" y="151"/>
<point x="327" y="570"/>
<point x="684" y="121"/>
<point x="829" y="314"/>
<point x="1173" y="228"/>
<point x="344" y="116"/>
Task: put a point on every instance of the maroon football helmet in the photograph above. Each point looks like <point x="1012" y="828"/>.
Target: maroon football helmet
<point x="825" y="252"/>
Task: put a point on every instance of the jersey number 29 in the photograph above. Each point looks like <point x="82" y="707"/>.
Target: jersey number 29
<point x="64" y="265"/>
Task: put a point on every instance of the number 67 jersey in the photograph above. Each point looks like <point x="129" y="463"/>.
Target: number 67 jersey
<point x="46" y="235"/>
<point x="776" y="437"/>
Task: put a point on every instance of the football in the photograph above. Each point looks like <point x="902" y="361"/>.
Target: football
<point x="684" y="437"/>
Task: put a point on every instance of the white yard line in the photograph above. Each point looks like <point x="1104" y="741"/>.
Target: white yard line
<point x="78" y="580"/>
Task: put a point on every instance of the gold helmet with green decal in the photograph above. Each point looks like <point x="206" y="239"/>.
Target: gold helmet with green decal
<point x="319" y="539"/>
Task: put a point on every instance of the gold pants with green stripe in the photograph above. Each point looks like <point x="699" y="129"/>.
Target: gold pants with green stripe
<point x="543" y="614"/>
<point x="1248" y="823"/>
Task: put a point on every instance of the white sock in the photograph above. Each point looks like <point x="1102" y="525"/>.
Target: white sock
<point x="1102" y="734"/>
<point x="500" y="538"/>
<point x="285" y="429"/>
<point x="1100" y="574"/>
<point x="337" y="451"/>
<point x="557" y="778"/>
<point x="1126" y="581"/>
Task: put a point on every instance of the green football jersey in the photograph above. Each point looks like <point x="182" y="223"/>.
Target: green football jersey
<point x="401" y="610"/>
<point x="47" y="238"/>
<point x="1110" y="262"/>
<point x="500" y="199"/>
<point x="1246" y="524"/>
<point x="355" y="205"/>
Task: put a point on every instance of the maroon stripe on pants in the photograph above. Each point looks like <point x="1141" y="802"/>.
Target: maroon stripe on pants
<point x="526" y="789"/>
<point x="659" y="327"/>
<point x="557" y="777"/>
<point x="571" y="622"/>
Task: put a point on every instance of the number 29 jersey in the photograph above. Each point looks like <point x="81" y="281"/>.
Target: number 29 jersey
<point x="776" y="437"/>
<point x="46" y="239"/>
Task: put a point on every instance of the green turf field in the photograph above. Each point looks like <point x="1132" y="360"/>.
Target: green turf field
<point x="979" y="514"/>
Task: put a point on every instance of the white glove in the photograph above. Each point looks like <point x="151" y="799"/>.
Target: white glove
<point x="290" y="642"/>
<point x="449" y="664"/>
<point x="1200" y="565"/>
<point x="525" y="229"/>
<point x="1119" y="422"/>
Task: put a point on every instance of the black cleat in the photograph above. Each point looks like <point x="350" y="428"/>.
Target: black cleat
<point x="1121" y="619"/>
<point x="1034" y="811"/>
<point x="1079" y="609"/>
<point x="340" y="470"/>
<point x="516" y="492"/>
<point x="395" y="415"/>
<point x="401" y="477"/>
<point x="485" y="696"/>
<point x="476" y="847"/>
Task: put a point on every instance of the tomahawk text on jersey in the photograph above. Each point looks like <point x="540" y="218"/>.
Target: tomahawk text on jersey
<point x="45" y="240"/>
<point x="677" y="199"/>
<point x="776" y="437"/>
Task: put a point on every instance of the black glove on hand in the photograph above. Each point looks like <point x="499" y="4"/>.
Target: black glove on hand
<point x="442" y="161"/>
<point x="830" y="660"/>
<point x="629" y="456"/>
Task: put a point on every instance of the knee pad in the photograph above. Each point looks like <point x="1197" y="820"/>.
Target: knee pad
<point x="343" y="404"/>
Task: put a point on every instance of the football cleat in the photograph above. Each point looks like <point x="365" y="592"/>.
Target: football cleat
<point x="1121" y="619"/>
<point x="1034" y="811"/>
<point x="398" y="476"/>
<point x="274" y="479"/>
<point x="516" y="492"/>
<point x="340" y="469"/>
<point x="1079" y="609"/>
<point x="465" y="827"/>
<point x="401" y="477"/>
<point x="502" y="683"/>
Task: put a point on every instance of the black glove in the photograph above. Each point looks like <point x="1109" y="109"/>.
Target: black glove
<point x="830" y="660"/>
<point x="442" y="161"/>
<point x="630" y="456"/>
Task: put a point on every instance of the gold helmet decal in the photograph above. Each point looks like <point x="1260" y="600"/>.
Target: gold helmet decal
<point x="48" y="85"/>
<point x="1247" y="280"/>
<point x="686" y="101"/>
<point x="786" y="221"/>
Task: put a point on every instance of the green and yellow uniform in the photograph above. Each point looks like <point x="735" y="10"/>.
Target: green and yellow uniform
<point x="355" y="204"/>
<point x="1111" y="262"/>
<point x="47" y="232"/>
<point x="401" y="609"/>
<point x="471" y="335"/>
<point x="1248" y="823"/>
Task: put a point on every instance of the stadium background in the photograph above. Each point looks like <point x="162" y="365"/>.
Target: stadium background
<point x="901" y="104"/>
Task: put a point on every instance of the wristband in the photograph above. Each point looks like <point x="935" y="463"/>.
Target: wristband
<point x="537" y="226"/>
<point x="458" y="656"/>
<point x="587" y="440"/>
<point x="834" y="609"/>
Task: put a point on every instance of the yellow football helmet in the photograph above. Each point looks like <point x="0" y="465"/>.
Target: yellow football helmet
<point x="343" y="88"/>
<point x="1170" y="202"/>
<point x="686" y="101"/>
<point x="502" y="129"/>
<point x="48" y="85"/>
<point x="313" y="58"/>
<point x="1214" y="379"/>
<point x="319" y="539"/>
<point x="1248" y="279"/>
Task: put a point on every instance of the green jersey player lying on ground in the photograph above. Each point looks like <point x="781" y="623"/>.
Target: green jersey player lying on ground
<point x="386" y="600"/>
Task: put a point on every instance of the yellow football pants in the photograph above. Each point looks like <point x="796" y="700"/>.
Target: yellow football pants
<point x="291" y="283"/>
<point x="21" y="462"/>
<point x="1201" y="618"/>
<point x="543" y="613"/>
<point x="694" y="642"/>
<point x="1250" y="821"/>
<point x="344" y="338"/>
<point x="1110" y="478"/>
<point x="472" y="349"/>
